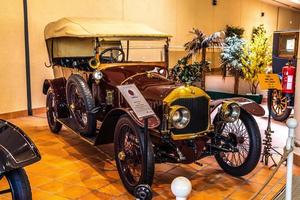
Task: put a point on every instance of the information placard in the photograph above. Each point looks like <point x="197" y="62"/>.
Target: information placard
<point x="136" y="100"/>
<point x="269" y="81"/>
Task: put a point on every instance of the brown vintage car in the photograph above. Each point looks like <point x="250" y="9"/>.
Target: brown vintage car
<point x="91" y="57"/>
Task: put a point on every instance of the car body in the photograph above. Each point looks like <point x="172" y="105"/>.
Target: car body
<point x="84" y="94"/>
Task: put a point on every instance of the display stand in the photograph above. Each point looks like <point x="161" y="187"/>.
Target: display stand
<point x="143" y="191"/>
<point x="267" y="142"/>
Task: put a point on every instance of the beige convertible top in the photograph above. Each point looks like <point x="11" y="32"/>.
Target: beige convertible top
<point x="94" y="27"/>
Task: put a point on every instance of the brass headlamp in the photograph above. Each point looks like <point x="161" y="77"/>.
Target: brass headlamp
<point x="179" y="117"/>
<point x="230" y="111"/>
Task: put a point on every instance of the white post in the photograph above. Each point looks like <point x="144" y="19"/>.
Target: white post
<point x="292" y="124"/>
<point x="181" y="187"/>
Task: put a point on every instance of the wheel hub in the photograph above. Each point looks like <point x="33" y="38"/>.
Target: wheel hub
<point x="121" y="155"/>
<point x="72" y="106"/>
<point x="240" y="140"/>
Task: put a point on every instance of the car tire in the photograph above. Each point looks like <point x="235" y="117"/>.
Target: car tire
<point x="79" y="98"/>
<point x="254" y="152"/>
<point x="54" y="125"/>
<point x="126" y="128"/>
<point x="19" y="184"/>
<point x="284" y="113"/>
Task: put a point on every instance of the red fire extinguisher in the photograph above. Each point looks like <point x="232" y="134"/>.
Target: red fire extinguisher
<point x="288" y="78"/>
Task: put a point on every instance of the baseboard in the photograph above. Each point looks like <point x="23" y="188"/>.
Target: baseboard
<point x="22" y="113"/>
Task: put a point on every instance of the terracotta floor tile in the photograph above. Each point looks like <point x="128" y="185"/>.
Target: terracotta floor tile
<point x="183" y="171"/>
<point x="241" y="194"/>
<point x="37" y="180"/>
<point x="54" y="187"/>
<point x="205" y="196"/>
<point x="93" y="195"/>
<point x="39" y="194"/>
<point x="74" y="192"/>
<point x="73" y="169"/>
<point x="115" y="189"/>
<point x="160" y="168"/>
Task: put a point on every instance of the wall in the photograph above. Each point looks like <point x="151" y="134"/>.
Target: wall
<point x="176" y="17"/>
<point x="12" y="64"/>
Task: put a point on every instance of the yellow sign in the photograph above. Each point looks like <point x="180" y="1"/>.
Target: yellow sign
<point x="269" y="81"/>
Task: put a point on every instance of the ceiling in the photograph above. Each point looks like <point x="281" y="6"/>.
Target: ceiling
<point x="292" y="4"/>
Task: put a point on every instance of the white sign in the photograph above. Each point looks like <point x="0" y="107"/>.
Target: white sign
<point x="136" y="100"/>
<point x="290" y="44"/>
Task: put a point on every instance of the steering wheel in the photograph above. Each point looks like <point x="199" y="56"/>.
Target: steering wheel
<point x="112" y="55"/>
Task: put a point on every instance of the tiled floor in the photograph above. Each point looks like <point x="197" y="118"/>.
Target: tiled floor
<point x="72" y="169"/>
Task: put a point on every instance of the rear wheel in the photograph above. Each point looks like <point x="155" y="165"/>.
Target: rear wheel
<point x="54" y="125"/>
<point x="279" y="105"/>
<point x="15" y="185"/>
<point x="130" y="156"/>
<point x="243" y="135"/>
<point x="81" y="103"/>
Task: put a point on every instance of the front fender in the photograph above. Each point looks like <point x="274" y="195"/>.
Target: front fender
<point x="16" y="149"/>
<point x="107" y="130"/>
<point x="246" y="104"/>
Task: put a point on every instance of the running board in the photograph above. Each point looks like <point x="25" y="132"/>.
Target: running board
<point x="70" y="124"/>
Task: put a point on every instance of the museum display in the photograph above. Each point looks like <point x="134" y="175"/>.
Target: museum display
<point x="285" y="49"/>
<point x="16" y="152"/>
<point x="92" y="57"/>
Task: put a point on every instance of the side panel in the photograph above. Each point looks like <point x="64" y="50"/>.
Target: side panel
<point x="16" y="149"/>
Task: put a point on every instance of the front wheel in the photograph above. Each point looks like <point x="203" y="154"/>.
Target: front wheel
<point x="243" y="136"/>
<point x="130" y="155"/>
<point x="16" y="183"/>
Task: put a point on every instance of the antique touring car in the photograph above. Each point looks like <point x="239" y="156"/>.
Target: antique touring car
<point x="91" y="57"/>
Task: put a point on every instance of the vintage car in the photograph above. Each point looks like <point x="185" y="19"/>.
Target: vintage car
<point x="91" y="57"/>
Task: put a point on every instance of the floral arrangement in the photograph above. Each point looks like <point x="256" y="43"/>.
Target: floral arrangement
<point x="231" y="55"/>
<point x="256" y="57"/>
<point x="185" y="72"/>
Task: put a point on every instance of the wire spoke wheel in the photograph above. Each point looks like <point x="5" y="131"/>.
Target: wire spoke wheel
<point x="239" y="136"/>
<point x="132" y="165"/>
<point x="130" y="156"/>
<point x="242" y="140"/>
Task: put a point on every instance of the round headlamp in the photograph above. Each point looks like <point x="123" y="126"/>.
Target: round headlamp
<point x="179" y="117"/>
<point x="97" y="75"/>
<point x="230" y="111"/>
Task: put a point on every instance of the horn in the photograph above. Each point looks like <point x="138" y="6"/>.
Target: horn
<point x="94" y="63"/>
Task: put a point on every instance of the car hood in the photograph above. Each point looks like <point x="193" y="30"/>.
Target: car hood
<point x="154" y="88"/>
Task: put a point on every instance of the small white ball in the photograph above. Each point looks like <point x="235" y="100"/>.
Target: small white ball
<point x="292" y="123"/>
<point x="181" y="187"/>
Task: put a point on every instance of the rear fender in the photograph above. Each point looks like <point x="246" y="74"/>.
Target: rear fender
<point x="58" y="86"/>
<point x="16" y="148"/>
<point x="107" y="130"/>
<point x="246" y="104"/>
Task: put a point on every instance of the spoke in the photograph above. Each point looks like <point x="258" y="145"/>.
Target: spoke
<point x="5" y="191"/>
